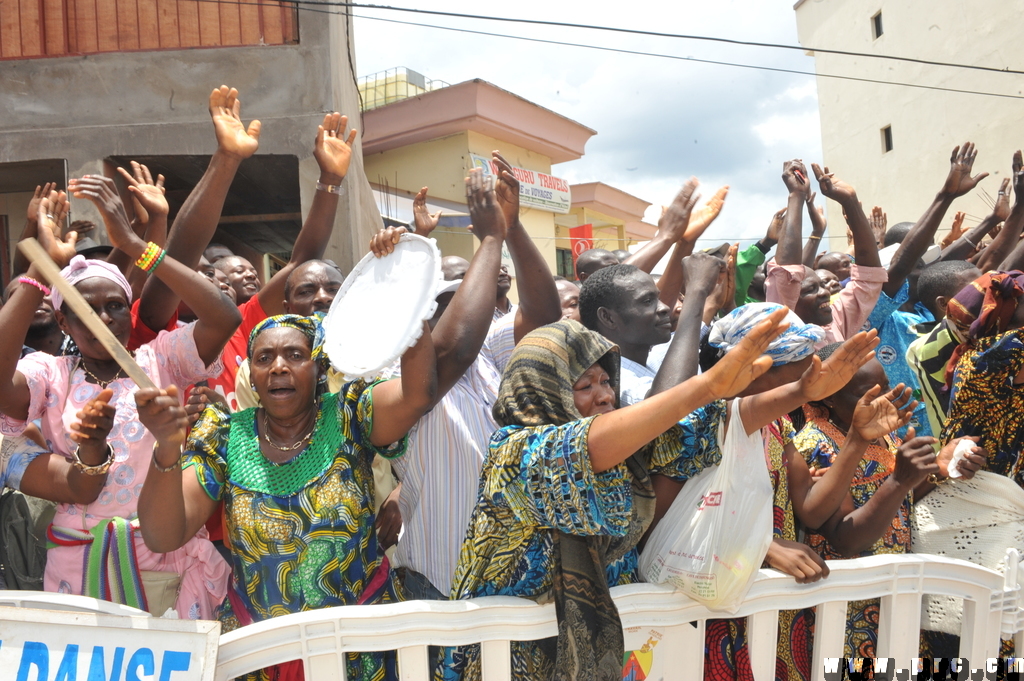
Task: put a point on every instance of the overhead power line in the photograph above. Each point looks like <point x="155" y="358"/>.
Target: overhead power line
<point x="657" y="34"/>
<point x="311" y="6"/>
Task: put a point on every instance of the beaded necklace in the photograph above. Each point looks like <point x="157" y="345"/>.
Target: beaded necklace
<point x="249" y="468"/>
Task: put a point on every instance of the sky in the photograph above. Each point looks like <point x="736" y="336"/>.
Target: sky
<point x="658" y="121"/>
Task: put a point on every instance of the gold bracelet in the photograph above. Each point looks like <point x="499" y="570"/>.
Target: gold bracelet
<point x="176" y="464"/>
<point x="814" y="237"/>
<point x="936" y="480"/>
<point x="98" y="469"/>
<point x="330" y="188"/>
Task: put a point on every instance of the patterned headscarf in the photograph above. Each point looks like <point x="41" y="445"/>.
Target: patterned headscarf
<point x="536" y="388"/>
<point x="795" y="343"/>
<point x="82" y="268"/>
<point x="983" y="308"/>
<point x="310" y="326"/>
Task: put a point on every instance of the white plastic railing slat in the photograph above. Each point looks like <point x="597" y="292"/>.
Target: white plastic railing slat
<point x="899" y="626"/>
<point x="496" y="661"/>
<point x="829" y="635"/>
<point x="414" y="663"/>
<point x="763" y="640"/>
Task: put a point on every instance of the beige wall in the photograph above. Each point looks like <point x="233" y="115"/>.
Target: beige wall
<point x="926" y="124"/>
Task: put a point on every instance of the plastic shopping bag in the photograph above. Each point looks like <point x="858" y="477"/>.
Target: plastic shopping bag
<point x="714" y="537"/>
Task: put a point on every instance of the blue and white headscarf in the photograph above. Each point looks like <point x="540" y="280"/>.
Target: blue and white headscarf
<point x="795" y="343"/>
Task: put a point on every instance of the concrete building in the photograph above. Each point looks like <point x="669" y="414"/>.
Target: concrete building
<point x="893" y="142"/>
<point x="421" y="132"/>
<point x="87" y="85"/>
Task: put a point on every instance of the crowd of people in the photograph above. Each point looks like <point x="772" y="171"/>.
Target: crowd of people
<point x="519" y="448"/>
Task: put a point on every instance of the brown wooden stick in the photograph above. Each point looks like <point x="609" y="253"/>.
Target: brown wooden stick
<point x="39" y="257"/>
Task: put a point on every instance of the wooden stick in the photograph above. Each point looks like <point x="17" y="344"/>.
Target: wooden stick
<point x="39" y="257"/>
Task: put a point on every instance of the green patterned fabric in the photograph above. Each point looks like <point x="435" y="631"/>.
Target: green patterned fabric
<point x="301" y="535"/>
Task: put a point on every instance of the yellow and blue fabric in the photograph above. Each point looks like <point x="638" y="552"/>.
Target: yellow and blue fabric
<point x="311" y="327"/>
<point x="301" y="533"/>
<point x="545" y="523"/>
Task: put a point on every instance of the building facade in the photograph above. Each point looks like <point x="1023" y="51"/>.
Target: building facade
<point x="88" y="85"/>
<point x="893" y="142"/>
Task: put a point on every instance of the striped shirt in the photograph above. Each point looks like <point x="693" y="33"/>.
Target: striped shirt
<point x="440" y="471"/>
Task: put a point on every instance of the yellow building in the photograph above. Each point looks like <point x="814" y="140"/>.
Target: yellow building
<point x="420" y="133"/>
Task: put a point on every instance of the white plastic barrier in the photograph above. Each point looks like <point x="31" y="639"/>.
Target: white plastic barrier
<point x="652" y="616"/>
<point x="47" y="600"/>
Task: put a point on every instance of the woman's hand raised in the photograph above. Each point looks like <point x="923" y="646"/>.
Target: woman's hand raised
<point x="823" y="379"/>
<point x="747" y="361"/>
<point x="103" y="194"/>
<point x="877" y="415"/>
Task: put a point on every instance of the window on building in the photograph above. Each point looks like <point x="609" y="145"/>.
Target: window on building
<point x="564" y="264"/>
<point x="876" y="24"/>
<point x="887" y="139"/>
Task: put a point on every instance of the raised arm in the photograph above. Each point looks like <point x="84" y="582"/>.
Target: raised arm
<point x="865" y="248"/>
<point x="32" y="224"/>
<point x="1013" y="226"/>
<point x="701" y="271"/>
<point x="615" y="436"/>
<point x="819" y="381"/>
<point x="538" y="295"/>
<point x="818" y="225"/>
<point x="671" y="227"/>
<point x="460" y="332"/>
<point x="875" y="415"/>
<point x="922" y="235"/>
<point x="17" y="313"/>
<point x="399" y="403"/>
<point x="151" y="211"/>
<point x="753" y="256"/>
<point x="217" y="317"/>
<point x="671" y="283"/>
<point x="197" y="220"/>
<point x="333" y="153"/>
<point x="790" y="250"/>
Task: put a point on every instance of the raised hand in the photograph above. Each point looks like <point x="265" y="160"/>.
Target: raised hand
<point x="484" y="209"/>
<point x="796" y="560"/>
<point x="878" y="221"/>
<point x="383" y="242"/>
<point x="959" y="180"/>
<point x="60" y="250"/>
<point x="957" y="229"/>
<point x="794" y="176"/>
<point x="95" y="420"/>
<point x="775" y="227"/>
<point x="675" y="220"/>
<point x="701" y="272"/>
<point x="37" y="196"/>
<point x="823" y="379"/>
<point x="747" y="361"/>
<point x="976" y="460"/>
<point x="1018" y="177"/>
<point x="332" y="151"/>
<point x="877" y="415"/>
<point x="102" y="192"/>
<point x="700" y="220"/>
<point x="147" y="194"/>
<point x="425" y="222"/>
<point x="162" y="414"/>
<point x="915" y="460"/>
<point x="233" y="138"/>
<point x="837" y="190"/>
<point x="506" y="188"/>
<point x="725" y="288"/>
<point x="1001" y="209"/>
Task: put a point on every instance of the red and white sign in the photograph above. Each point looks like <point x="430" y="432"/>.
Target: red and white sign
<point x="582" y="239"/>
<point x="536" y="189"/>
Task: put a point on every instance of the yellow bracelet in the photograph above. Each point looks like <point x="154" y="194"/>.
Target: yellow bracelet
<point x="149" y="258"/>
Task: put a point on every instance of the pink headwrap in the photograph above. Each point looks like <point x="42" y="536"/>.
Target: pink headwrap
<point x="81" y="268"/>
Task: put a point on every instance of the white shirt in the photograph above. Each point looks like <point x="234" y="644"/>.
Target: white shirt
<point x="440" y="471"/>
<point x="634" y="381"/>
